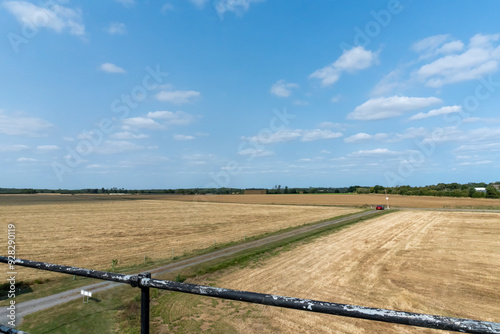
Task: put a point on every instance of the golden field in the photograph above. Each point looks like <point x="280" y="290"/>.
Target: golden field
<point x="445" y="263"/>
<point x="80" y="231"/>
<point x="395" y="201"/>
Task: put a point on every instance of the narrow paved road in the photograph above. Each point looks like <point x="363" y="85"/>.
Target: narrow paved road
<point x="35" y="305"/>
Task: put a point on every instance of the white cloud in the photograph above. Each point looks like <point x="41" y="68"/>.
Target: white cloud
<point x="387" y="107"/>
<point x="172" y="118"/>
<point x="451" y="47"/>
<point x="127" y="135"/>
<point x="183" y="137"/>
<point x="13" y="148"/>
<point x="142" y="122"/>
<point x="388" y="83"/>
<point x="112" y="147"/>
<point x="429" y="44"/>
<point x="235" y="6"/>
<point x="47" y="148"/>
<point x="436" y="112"/>
<point x="53" y="16"/>
<point x="410" y="133"/>
<point x="336" y="98"/>
<point x="283" y="89"/>
<point x="360" y="137"/>
<point x="177" y="96"/>
<point x="288" y="135"/>
<point x="331" y="125"/>
<point x="26" y="160"/>
<point x="111" y="68"/>
<point x="480" y="58"/>
<point x="256" y="152"/>
<point x="476" y="163"/>
<point x="22" y="125"/>
<point x="474" y="148"/>
<point x="350" y="61"/>
<point x="375" y="152"/>
<point x="116" y="28"/>
<point x="317" y="134"/>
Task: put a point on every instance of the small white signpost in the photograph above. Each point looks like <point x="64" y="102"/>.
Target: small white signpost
<point x="87" y="294"/>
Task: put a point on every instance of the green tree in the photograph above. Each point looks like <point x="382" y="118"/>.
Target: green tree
<point x="491" y="192"/>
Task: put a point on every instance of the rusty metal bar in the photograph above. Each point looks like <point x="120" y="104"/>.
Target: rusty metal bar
<point x="354" y="311"/>
<point x="10" y="330"/>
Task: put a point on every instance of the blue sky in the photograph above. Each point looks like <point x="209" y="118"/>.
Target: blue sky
<point x="248" y="93"/>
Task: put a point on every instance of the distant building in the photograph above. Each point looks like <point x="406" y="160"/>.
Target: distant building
<point x="481" y="190"/>
<point x="497" y="186"/>
<point x="255" y="191"/>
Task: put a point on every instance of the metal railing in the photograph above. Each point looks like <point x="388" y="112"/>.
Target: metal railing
<point x="9" y="330"/>
<point x="144" y="282"/>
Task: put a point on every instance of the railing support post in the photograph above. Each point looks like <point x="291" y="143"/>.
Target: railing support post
<point x="144" y="304"/>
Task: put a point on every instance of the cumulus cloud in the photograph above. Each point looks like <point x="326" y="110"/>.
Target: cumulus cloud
<point x="177" y="96"/>
<point x="154" y="120"/>
<point x="256" y="152"/>
<point x="361" y="137"/>
<point x="387" y="107"/>
<point x="26" y="160"/>
<point x="376" y="152"/>
<point x="436" y="112"/>
<point x="172" y="118"/>
<point x="54" y="16"/>
<point x="127" y="135"/>
<point x="22" y="125"/>
<point x="116" y="28"/>
<point x="142" y="122"/>
<point x="283" y="89"/>
<point x="183" y="137"/>
<point x="481" y="57"/>
<point x="111" y="68"/>
<point x="288" y="135"/>
<point x="46" y="148"/>
<point x="350" y="61"/>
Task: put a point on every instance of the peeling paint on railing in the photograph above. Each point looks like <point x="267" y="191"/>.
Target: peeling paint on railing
<point x="354" y="311"/>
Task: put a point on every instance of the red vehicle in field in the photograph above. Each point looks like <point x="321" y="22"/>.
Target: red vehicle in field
<point x="379" y="207"/>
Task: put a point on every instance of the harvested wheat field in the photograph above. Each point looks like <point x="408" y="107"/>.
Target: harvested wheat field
<point x="395" y="201"/>
<point x="444" y="263"/>
<point x="92" y="234"/>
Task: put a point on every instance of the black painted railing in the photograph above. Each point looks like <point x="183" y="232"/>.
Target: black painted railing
<point x="144" y="282"/>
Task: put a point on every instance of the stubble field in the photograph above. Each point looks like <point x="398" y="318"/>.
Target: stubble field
<point x="444" y="263"/>
<point x="395" y="201"/>
<point x="90" y="233"/>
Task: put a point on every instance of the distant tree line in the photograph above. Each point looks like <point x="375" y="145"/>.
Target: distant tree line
<point x="440" y="189"/>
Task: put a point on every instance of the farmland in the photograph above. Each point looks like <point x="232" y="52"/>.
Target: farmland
<point x="90" y="233"/>
<point x="431" y="262"/>
<point x="395" y="201"/>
